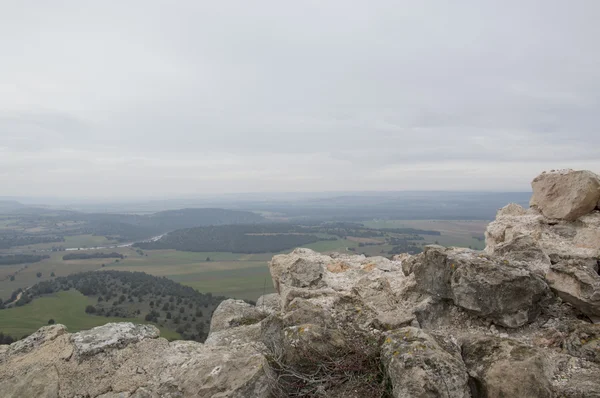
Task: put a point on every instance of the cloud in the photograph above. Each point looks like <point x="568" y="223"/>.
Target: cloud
<point x="154" y="98"/>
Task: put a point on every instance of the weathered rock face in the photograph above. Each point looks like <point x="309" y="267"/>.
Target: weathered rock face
<point x="578" y="284"/>
<point x="516" y="320"/>
<point x="562" y="247"/>
<point x="566" y="194"/>
<point x="509" y="294"/>
<point x="127" y="360"/>
<point x="505" y="368"/>
<point x="419" y="367"/>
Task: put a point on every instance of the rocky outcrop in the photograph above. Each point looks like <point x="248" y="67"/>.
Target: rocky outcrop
<point x="566" y="194"/>
<point x="515" y="320"/>
<point x="507" y="293"/>
<point x="126" y="360"/>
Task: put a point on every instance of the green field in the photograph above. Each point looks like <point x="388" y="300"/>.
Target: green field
<point x="67" y="308"/>
<point x="460" y="233"/>
<point x="237" y="275"/>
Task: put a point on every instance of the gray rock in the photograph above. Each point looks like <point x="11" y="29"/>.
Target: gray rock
<point x="505" y="368"/>
<point x="269" y="303"/>
<point x="566" y="194"/>
<point x="36" y="339"/>
<point x="577" y="284"/>
<point x="487" y="286"/>
<point x="526" y="251"/>
<point x="111" y="335"/>
<point x="135" y="365"/>
<point x="419" y="367"/>
<point x="509" y="295"/>
<point x="231" y="313"/>
<point x="583" y="341"/>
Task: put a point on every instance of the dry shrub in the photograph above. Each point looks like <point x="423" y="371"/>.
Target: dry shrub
<point x="353" y="372"/>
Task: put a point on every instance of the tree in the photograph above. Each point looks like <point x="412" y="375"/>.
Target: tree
<point x="51" y="322"/>
<point x="39" y="274"/>
<point x="12" y="278"/>
<point x="168" y="315"/>
<point x="52" y="274"/>
<point x="90" y="309"/>
<point x="181" y="310"/>
<point x="207" y="259"/>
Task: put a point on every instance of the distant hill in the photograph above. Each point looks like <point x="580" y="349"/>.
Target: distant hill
<point x="7" y="206"/>
<point x="265" y="238"/>
<point x="136" y="227"/>
<point x="31" y="225"/>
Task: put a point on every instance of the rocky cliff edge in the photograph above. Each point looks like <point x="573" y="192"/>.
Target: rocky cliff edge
<point x="515" y="320"/>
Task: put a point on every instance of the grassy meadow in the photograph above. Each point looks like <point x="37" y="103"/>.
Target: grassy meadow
<point x="66" y="307"/>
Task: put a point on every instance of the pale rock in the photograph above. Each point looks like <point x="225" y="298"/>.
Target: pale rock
<point x="43" y="335"/>
<point x="578" y="284"/>
<point x="134" y="363"/>
<point x="111" y="335"/>
<point x="525" y="251"/>
<point x="419" y="367"/>
<point x="566" y="194"/>
<point x="231" y="313"/>
<point x="269" y="303"/>
<point x="505" y="368"/>
<point x="489" y="287"/>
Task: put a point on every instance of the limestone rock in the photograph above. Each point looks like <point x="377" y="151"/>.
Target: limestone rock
<point x="300" y="268"/>
<point x="578" y="285"/>
<point x="566" y="194"/>
<point x="511" y="296"/>
<point x="556" y="238"/>
<point x="231" y="313"/>
<point x="134" y="364"/>
<point x="505" y="368"/>
<point x="523" y="249"/>
<point x="111" y="335"/>
<point x="269" y="303"/>
<point x="488" y="287"/>
<point x="38" y="338"/>
<point x="583" y="341"/>
<point x="419" y="367"/>
<point x="301" y="340"/>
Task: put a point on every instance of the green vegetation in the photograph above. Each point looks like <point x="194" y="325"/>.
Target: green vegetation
<point x="7" y="242"/>
<point x="87" y="256"/>
<point x="21" y="259"/>
<point x="262" y="238"/>
<point x="135" y="294"/>
<point x="65" y="307"/>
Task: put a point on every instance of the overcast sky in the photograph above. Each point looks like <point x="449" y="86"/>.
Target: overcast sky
<point x="109" y="99"/>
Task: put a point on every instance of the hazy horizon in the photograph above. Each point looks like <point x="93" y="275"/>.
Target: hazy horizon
<point x="155" y="99"/>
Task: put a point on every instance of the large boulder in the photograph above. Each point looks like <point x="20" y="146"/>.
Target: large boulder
<point x="493" y="288"/>
<point x="566" y="194"/>
<point x="419" y="367"/>
<point x="578" y="283"/>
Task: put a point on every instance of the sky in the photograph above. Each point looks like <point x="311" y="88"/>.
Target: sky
<point x="148" y="99"/>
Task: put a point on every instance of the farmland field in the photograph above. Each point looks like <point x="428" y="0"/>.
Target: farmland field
<point x="67" y="308"/>
<point x="463" y="233"/>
